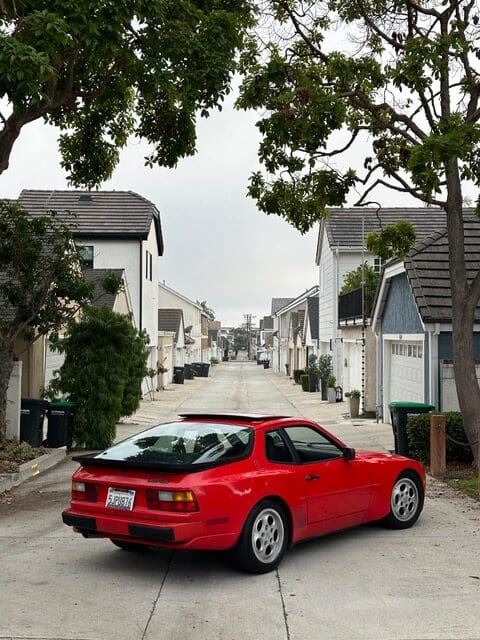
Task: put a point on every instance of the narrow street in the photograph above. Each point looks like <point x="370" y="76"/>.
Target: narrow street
<point x="367" y="583"/>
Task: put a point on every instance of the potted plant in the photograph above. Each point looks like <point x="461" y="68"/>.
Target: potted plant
<point x="312" y="372"/>
<point x="331" y="391"/>
<point x="296" y="375"/>
<point x="324" y="366"/>
<point x="354" y="399"/>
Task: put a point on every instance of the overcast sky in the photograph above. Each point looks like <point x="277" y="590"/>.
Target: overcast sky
<point x="218" y="247"/>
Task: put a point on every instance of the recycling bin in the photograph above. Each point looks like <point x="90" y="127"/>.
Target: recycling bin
<point x="178" y="375"/>
<point x="61" y="419"/>
<point x="400" y="412"/>
<point x="32" y="413"/>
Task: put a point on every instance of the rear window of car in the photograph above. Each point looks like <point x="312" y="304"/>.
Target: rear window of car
<point x="183" y="444"/>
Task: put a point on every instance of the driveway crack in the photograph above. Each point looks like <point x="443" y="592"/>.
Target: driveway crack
<point x="155" y="602"/>
<point x="282" y="599"/>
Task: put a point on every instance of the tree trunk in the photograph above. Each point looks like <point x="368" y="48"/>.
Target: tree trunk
<point x="6" y="367"/>
<point x="463" y="314"/>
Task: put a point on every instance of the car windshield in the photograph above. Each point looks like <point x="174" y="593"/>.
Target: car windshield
<point x="183" y="443"/>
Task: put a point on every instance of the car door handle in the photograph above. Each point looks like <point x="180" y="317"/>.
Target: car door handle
<point x="312" y="476"/>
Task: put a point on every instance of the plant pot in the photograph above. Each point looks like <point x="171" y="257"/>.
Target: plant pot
<point x="312" y="382"/>
<point x="323" y="387"/>
<point x="331" y="394"/>
<point x="354" y="407"/>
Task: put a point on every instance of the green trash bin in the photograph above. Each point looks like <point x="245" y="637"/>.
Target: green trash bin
<point x="400" y="412"/>
<point x="61" y="417"/>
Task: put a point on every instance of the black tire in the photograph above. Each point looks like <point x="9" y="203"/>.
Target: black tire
<point x="264" y="538"/>
<point x="406" y="501"/>
<point x="130" y="546"/>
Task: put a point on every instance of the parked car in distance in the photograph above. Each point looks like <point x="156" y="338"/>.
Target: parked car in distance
<point x="254" y="484"/>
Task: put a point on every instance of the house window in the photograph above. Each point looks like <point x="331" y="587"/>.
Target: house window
<point x="377" y="264"/>
<point x="86" y="255"/>
<point x="148" y="265"/>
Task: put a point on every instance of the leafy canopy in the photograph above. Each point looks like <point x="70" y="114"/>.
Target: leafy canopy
<point x="41" y="282"/>
<point x="104" y="70"/>
<point x="364" y="275"/>
<point x="395" y="83"/>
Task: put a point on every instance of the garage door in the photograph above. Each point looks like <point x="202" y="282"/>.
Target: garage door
<point x="406" y="371"/>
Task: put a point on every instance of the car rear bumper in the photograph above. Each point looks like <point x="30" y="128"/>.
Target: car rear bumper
<point x="188" y="535"/>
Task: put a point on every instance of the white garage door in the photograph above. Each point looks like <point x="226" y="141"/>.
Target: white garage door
<point x="406" y="371"/>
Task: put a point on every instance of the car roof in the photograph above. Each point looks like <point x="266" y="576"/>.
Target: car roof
<point x="233" y="417"/>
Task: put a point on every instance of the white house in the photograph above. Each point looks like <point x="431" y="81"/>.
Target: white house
<point x="192" y="317"/>
<point x="289" y="352"/>
<point x="340" y="249"/>
<point x="116" y="230"/>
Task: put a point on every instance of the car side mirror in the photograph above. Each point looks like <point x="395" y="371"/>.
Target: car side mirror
<point x="348" y="453"/>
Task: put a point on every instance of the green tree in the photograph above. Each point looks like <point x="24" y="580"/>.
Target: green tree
<point x="364" y="274"/>
<point x="206" y="309"/>
<point x="239" y="338"/>
<point x="102" y="71"/>
<point x="398" y="83"/>
<point x="41" y="283"/>
<point x="105" y="363"/>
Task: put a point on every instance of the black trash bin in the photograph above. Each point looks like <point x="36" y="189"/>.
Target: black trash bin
<point x="266" y="364"/>
<point x="400" y="412"/>
<point x="178" y="375"/>
<point x="32" y="413"/>
<point x="188" y="371"/>
<point x="205" y="368"/>
<point x="61" y="418"/>
<point x="197" y="369"/>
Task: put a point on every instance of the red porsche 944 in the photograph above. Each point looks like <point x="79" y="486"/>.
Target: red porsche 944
<point x="255" y="484"/>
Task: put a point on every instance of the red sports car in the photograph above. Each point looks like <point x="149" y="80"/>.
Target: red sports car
<point x="255" y="484"/>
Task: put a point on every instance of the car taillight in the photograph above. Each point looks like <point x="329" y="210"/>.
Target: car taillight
<point x="180" y="501"/>
<point x="86" y="491"/>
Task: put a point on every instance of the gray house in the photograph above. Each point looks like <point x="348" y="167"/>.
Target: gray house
<point x="412" y="321"/>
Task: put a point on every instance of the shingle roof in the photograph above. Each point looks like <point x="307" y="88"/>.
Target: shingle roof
<point x="313" y="316"/>
<point x="102" y="214"/>
<point x="100" y="297"/>
<point x="279" y="303"/>
<point x="344" y="225"/>
<point x="170" y="320"/>
<point x="428" y="272"/>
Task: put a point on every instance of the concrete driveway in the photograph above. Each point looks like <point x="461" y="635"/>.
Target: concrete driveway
<point x="423" y="583"/>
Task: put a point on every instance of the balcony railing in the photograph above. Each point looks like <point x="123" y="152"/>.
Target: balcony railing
<point x="350" y="306"/>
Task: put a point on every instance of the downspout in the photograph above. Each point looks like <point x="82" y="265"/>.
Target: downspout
<point x="434" y="370"/>
<point x="140" y="309"/>
<point x="335" y="314"/>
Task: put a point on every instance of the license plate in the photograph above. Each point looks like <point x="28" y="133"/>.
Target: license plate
<point x="120" y="499"/>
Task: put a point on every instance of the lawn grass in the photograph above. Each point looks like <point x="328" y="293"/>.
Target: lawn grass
<point x="468" y="485"/>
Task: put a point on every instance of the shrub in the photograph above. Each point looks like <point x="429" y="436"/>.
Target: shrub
<point x="353" y="393"/>
<point x="418" y="430"/>
<point x="105" y="362"/>
<point x="296" y="375"/>
<point x="331" y="382"/>
<point x="304" y="381"/>
<point x="213" y="361"/>
<point x="324" y="366"/>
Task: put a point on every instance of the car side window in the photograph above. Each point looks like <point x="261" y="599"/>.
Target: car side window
<point x="311" y="445"/>
<point x="276" y="448"/>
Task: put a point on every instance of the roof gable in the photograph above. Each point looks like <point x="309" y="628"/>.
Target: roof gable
<point x="427" y="268"/>
<point x="170" y="320"/>
<point x="347" y="227"/>
<point x="101" y="214"/>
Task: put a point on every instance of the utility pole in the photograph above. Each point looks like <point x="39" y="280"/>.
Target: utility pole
<point x="248" y="319"/>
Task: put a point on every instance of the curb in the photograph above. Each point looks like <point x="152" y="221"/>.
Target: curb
<point x="31" y="469"/>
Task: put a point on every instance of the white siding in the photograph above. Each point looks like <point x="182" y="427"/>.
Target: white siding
<point x="192" y="315"/>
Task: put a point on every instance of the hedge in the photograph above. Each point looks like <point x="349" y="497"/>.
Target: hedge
<point x="304" y="381"/>
<point x="418" y="430"/>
